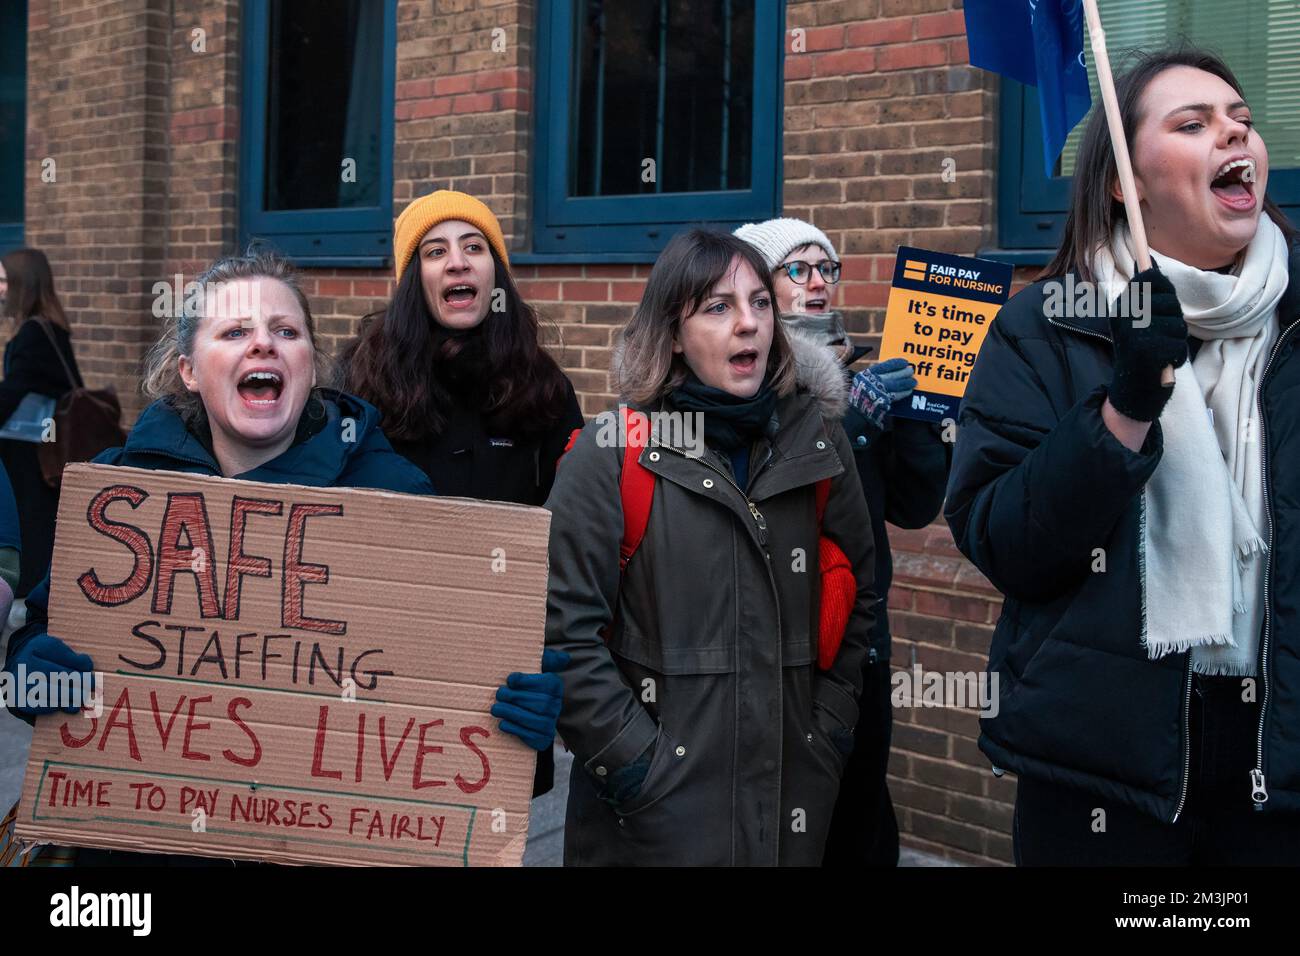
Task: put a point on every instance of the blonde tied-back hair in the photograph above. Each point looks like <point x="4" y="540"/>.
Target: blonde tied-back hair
<point x="162" y="376"/>
<point x="683" y="277"/>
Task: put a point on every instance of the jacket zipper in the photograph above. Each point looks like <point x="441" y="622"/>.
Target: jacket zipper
<point x="1258" y="789"/>
<point x="761" y="523"/>
<point x="1187" y="683"/>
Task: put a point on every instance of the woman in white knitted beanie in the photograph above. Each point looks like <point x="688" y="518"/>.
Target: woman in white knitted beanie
<point x="903" y="465"/>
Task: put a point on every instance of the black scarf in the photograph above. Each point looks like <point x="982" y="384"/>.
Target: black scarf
<point x="730" y="422"/>
<point x="460" y="364"/>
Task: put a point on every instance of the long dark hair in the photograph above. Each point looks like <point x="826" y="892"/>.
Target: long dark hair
<point x="397" y="363"/>
<point x="31" y="288"/>
<point x="685" y="273"/>
<point x="1094" y="212"/>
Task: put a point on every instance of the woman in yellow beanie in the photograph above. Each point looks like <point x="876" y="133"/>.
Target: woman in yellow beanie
<point x="454" y="364"/>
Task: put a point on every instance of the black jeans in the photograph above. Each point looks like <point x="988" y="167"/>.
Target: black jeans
<point x="864" y="830"/>
<point x="1061" y="826"/>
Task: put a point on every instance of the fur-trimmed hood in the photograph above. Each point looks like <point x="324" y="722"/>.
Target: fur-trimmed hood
<point x="817" y="371"/>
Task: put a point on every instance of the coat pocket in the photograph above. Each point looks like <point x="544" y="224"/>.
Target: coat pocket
<point x="667" y="768"/>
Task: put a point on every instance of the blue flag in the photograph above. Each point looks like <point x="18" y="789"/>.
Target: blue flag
<point x="1039" y="43"/>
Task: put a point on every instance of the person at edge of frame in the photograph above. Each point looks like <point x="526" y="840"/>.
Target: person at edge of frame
<point x="1145" y="535"/>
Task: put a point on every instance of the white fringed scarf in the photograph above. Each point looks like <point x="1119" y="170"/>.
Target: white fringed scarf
<point x="1203" y="532"/>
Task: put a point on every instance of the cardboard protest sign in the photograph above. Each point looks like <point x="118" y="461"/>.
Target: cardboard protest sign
<point x="292" y="674"/>
<point x="939" y="311"/>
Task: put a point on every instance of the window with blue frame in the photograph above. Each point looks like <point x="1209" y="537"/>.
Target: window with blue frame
<point x="652" y="116"/>
<point x="1262" y="48"/>
<point x="13" y="120"/>
<point x="317" y="129"/>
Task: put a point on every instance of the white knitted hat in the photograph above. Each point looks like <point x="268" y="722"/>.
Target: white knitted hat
<point x="777" y="238"/>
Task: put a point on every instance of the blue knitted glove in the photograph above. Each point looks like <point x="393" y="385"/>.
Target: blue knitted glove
<point x="47" y="654"/>
<point x="528" y="706"/>
<point x="877" y="388"/>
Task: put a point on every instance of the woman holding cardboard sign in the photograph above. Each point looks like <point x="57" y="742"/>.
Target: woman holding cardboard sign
<point x="239" y="393"/>
<point x="1145" y="536"/>
<point x="709" y="722"/>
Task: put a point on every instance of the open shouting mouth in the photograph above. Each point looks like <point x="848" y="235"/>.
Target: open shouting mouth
<point x="745" y="361"/>
<point x="261" y="388"/>
<point x="1234" y="184"/>
<point x="462" y="295"/>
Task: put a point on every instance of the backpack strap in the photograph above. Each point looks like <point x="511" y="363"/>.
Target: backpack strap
<point x="821" y="494"/>
<point x="636" y="485"/>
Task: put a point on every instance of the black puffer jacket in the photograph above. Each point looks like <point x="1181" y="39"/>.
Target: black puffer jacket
<point x="1038" y="483"/>
<point x="470" y="458"/>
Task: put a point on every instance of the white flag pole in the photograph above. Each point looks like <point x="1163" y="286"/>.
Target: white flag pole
<point x="1119" y="144"/>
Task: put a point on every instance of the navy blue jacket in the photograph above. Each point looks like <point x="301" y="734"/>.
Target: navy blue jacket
<point x="322" y="456"/>
<point x="1038" y="484"/>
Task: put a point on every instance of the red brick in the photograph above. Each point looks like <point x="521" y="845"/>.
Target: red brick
<point x="532" y="289"/>
<point x="948" y="24"/>
<point x="422" y="109"/>
<point x="446" y="85"/>
<point x="585" y="292"/>
<point x="845" y="62"/>
<point x="415" y="89"/>
<point x="473" y="103"/>
<point x="956" y="606"/>
<point x="500" y="80"/>
<point x="375" y="288"/>
<point x="627" y="291"/>
<point x="823" y="38"/>
<point x="514" y="100"/>
<point x="333" y="286"/>
<point x="917" y="627"/>
<point x="912" y="56"/>
<point x="864" y="294"/>
<point x="900" y="598"/>
<point x="798" y="66"/>
<point x="878" y="32"/>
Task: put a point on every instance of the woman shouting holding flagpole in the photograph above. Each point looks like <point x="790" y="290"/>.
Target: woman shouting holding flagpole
<point x="1142" y="523"/>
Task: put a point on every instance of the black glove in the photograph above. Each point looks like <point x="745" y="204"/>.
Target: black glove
<point x="1141" y="354"/>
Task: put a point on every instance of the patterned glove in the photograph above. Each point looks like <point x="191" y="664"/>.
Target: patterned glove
<point x="875" y="389"/>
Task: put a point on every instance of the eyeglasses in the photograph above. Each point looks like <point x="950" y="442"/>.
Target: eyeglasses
<point x="799" y="271"/>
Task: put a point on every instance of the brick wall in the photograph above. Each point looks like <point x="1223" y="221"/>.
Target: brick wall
<point x="878" y="96"/>
<point x="96" y="170"/>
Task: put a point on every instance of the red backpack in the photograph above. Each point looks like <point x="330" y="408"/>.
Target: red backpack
<point x="839" y="589"/>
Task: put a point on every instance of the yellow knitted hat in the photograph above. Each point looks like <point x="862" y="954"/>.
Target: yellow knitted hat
<point x="427" y="211"/>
